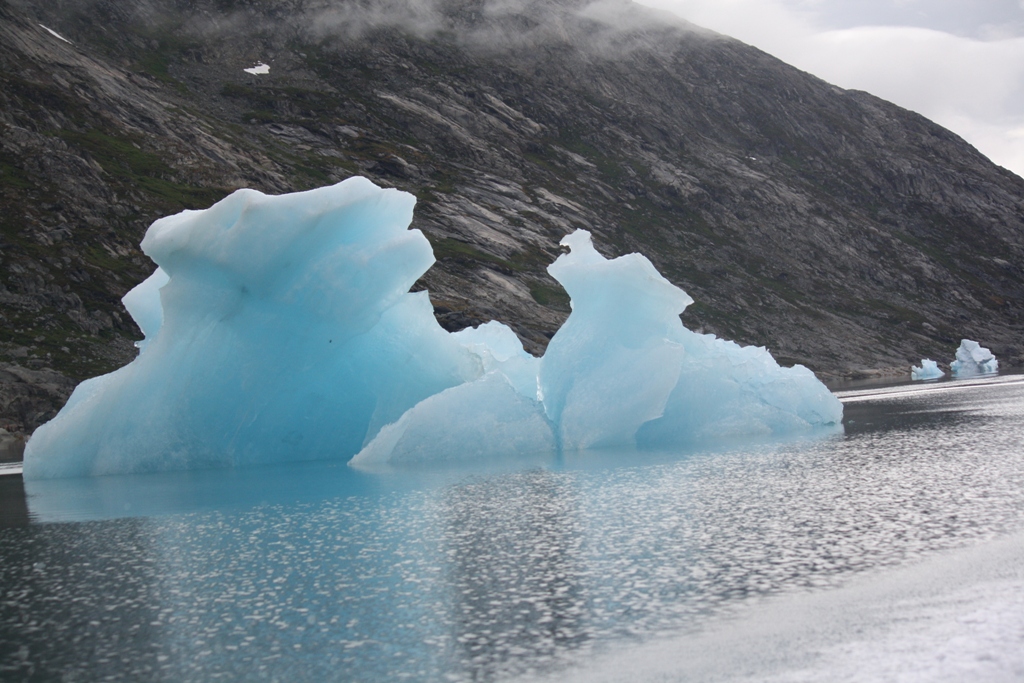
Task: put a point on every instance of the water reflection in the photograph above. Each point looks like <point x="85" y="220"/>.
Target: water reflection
<point x="13" y="506"/>
<point x="512" y="549"/>
<point x="331" y="574"/>
<point x="150" y="495"/>
<point x="78" y="603"/>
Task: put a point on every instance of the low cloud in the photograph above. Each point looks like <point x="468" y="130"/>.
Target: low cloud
<point x="972" y="86"/>
<point x="966" y="76"/>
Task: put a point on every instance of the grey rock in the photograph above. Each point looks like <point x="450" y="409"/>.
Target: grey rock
<point x="12" y="446"/>
<point x="28" y="398"/>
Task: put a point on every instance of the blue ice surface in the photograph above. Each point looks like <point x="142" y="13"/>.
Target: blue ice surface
<point x="282" y="328"/>
<point x="973" y="359"/>
<point x="928" y="369"/>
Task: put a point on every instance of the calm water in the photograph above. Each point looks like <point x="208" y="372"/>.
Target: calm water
<point x="324" y="573"/>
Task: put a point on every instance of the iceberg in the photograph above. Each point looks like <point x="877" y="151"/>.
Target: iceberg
<point x="973" y="359"/>
<point x="285" y="330"/>
<point x="282" y="328"/>
<point x="928" y="369"/>
<point x="624" y="369"/>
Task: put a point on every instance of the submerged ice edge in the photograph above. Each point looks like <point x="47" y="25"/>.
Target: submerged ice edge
<point x="282" y="328"/>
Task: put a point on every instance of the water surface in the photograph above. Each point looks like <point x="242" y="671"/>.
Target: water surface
<point x="320" y="572"/>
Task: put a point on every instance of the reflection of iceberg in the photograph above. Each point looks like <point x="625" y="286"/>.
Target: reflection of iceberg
<point x="928" y="369"/>
<point x="282" y="328"/>
<point x="973" y="359"/>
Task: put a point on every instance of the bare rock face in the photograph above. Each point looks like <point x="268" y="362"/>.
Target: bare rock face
<point x="12" y="446"/>
<point x="835" y="228"/>
<point x="28" y="398"/>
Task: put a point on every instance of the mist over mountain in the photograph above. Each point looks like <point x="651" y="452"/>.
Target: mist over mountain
<point x="838" y="230"/>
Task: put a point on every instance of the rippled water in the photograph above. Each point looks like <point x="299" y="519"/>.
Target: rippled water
<point x="323" y="573"/>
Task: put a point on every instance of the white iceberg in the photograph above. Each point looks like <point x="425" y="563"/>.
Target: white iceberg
<point x="282" y="329"/>
<point x="973" y="359"/>
<point x="928" y="369"/>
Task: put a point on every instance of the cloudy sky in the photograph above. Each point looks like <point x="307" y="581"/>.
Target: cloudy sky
<point x="958" y="62"/>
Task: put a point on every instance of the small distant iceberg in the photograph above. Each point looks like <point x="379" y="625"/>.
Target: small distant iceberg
<point x="282" y="329"/>
<point x="973" y="359"/>
<point x="259" y="70"/>
<point x="928" y="369"/>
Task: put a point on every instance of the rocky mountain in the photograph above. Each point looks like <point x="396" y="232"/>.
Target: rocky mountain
<point x="837" y="229"/>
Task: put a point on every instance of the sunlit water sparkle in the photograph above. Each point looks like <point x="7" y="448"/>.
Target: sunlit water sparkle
<point x="323" y="573"/>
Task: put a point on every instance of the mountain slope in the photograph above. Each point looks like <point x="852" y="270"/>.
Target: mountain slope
<point x="835" y="228"/>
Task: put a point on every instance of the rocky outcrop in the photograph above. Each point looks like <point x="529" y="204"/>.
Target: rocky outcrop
<point x="12" y="446"/>
<point x="835" y="228"/>
<point x="28" y="398"/>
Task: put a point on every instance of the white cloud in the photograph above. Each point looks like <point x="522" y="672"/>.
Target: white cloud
<point x="971" y="86"/>
<point x="932" y="72"/>
<point x="1002" y="143"/>
<point x="767" y="24"/>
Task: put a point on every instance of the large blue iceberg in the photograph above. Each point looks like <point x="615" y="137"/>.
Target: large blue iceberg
<point x="283" y="329"/>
